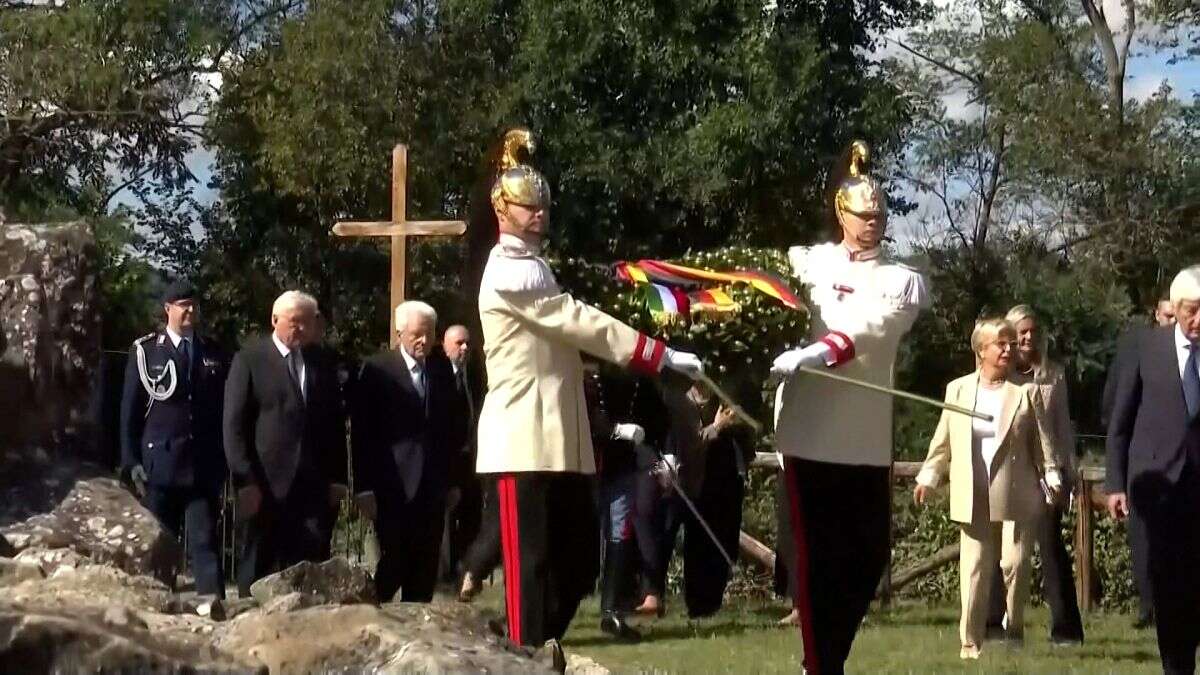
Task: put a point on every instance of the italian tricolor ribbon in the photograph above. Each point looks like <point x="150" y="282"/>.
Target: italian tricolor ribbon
<point x="674" y="291"/>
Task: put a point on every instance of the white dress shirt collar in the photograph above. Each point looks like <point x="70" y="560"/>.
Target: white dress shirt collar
<point x="409" y="361"/>
<point x="176" y="337"/>
<point x="284" y="350"/>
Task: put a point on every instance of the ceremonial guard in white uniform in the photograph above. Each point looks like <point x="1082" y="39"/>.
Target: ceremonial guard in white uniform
<point x="836" y="439"/>
<point x="533" y="429"/>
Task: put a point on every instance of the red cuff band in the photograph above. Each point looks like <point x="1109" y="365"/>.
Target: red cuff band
<point x="647" y="356"/>
<point x="841" y="346"/>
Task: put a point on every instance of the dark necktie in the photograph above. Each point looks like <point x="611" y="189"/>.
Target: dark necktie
<point x="465" y="391"/>
<point x="185" y="358"/>
<point x="418" y="376"/>
<point x="293" y="363"/>
<point x="1191" y="384"/>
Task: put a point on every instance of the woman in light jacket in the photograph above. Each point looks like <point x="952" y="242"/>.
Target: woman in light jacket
<point x="1000" y="472"/>
<point x="1032" y="366"/>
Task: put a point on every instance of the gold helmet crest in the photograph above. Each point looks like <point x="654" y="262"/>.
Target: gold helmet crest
<point x="518" y="183"/>
<point x="859" y="193"/>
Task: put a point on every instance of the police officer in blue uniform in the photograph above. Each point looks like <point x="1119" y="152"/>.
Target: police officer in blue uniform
<point x="171" y="447"/>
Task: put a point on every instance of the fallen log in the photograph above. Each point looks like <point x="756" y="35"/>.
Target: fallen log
<point x="944" y="556"/>
<point x="753" y="551"/>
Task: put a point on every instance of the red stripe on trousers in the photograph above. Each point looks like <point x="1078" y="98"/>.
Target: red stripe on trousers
<point x="800" y="575"/>
<point x="510" y="546"/>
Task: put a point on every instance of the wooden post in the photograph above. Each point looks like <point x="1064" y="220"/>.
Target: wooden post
<point x="1085" y="541"/>
<point x="399" y="242"/>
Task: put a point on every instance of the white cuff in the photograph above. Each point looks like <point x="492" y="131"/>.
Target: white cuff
<point x="929" y="478"/>
<point x="1053" y="480"/>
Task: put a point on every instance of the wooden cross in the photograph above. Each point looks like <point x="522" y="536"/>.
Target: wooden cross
<point x="399" y="228"/>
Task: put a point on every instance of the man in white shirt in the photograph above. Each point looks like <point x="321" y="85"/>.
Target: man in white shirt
<point x="837" y="439"/>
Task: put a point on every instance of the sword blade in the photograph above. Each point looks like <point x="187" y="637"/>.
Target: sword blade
<point x="895" y="392"/>
<point x="674" y="477"/>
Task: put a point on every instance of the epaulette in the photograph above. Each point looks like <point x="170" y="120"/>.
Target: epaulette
<point x="147" y="336"/>
<point x="906" y="266"/>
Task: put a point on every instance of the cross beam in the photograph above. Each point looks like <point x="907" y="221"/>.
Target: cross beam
<point x="399" y="228"/>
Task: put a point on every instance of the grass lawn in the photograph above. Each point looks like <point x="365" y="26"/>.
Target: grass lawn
<point x="904" y="639"/>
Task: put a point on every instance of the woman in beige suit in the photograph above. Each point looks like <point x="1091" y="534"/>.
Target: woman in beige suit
<point x="1000" y="472"/>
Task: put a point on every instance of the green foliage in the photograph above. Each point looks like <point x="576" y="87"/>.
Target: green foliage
<point x="128" y="285"/>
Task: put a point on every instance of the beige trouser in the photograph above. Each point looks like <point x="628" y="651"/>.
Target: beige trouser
<point x="981" y="544"/>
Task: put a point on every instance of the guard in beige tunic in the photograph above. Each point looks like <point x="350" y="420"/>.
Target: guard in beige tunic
<point x="533" y="430"/>
<point x="836" y="439"/>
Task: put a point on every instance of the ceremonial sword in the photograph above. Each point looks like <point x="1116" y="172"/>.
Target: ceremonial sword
<point x="673" y="476"/>
<point x="758" y="427"/>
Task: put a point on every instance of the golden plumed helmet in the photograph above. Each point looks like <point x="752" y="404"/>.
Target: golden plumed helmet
<point x="519" y="183"/>
<point x="859" y="193"/>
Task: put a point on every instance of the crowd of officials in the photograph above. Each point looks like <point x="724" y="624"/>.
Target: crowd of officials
<point x="669" y="457"/>
<point x="274" y="416"/>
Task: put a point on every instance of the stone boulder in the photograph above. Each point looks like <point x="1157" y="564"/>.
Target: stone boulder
<point x="13" y="572"/>
<point x="442" y="637"/>
<point x="100" y="520"/>
<point x="334" y="581"/>
<point x="38" y="640"/>
<point x="50" y="560"/>
<point x="49" y="336"/>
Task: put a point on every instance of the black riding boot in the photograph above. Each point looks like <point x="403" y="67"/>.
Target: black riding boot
<point x="617" y="559"/>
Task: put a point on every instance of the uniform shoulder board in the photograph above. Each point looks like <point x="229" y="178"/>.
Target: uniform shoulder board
<point x="147" y="336"/>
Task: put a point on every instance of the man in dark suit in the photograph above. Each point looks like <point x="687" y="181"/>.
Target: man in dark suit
<point x="464" y="500"/>
<point x="1135" y="529"/>
<point x="1153" y="465"/>
<point x="402" y="424"/>
<point x="285" y="439"/>
<point x="171" y="431"/>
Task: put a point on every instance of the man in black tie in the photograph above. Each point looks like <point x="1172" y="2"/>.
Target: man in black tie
<point x="285" y="440"/>
<point x="401" y="426"/>
<point x="1153" y="465"/>
<point x="464" y="500"/>
<point x="171" y="431"/>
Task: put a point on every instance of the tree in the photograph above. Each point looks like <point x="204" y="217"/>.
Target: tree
<point x="662" y="127"/>
<point x="98" y="94"/>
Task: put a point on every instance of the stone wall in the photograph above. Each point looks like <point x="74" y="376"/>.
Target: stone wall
<point x="49" y="336"/>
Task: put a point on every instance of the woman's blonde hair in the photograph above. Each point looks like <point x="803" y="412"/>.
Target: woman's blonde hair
<point x="986" y="331"/>
<point x="1018" y="314"/>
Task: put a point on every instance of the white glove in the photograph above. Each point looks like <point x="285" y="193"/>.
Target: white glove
<point x="685" y="363"/>
<point x="138" y="475"/>
<point x="812" y="356"/>
<point x="629" y="432"/>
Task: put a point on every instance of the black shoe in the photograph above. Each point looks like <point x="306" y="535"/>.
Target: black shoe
<point x="615" y="625"/>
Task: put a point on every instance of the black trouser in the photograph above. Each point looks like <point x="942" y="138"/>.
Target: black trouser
<point x="410" y="541"/>
<point x="784" y="546"/>
<point x="1139" y="550"/>
<point x="463" y="521"/>
<point x="1058" y="581"/>
<point x="195" y="511"/>
<point x="285" y="532"/>
<point x="841" y="525"/>
<point x="1171" y="514"/>
<point x="484" y="553"/>
<point x="705" y="571"/>
<point x="548" y="530"/>
<point x="647" y="532"/>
